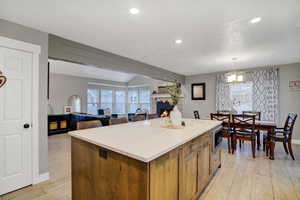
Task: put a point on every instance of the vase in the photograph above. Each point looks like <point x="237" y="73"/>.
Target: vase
<point x="176" y="117"/>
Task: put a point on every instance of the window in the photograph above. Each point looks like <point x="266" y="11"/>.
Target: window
<point x="120" y="102"/>
<point x="139" y="98"/>
<point x="116" y="100"/>
<point x="93" y="101"/>
<point x="132" y="100"/>
<point x="106" y="99"/>
<point x="241" y="96"/>
<point x="145" y="99"/>
<point x="258" y="91"/>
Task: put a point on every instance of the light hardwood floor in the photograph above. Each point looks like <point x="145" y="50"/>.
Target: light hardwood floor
<point x="241" y="177"/>
<point x="59" y="185"/>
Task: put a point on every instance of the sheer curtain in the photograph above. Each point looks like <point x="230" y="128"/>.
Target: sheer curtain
<point x="258" y="92"/>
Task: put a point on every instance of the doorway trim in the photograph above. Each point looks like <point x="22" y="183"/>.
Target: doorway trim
<point x="35" y="50"/>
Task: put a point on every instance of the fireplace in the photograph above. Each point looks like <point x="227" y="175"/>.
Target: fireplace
<point x="162" y="107"/>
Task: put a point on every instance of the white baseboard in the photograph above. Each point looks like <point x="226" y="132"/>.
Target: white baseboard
<point x="42" y="178"/>
<point x="295" y="141"/>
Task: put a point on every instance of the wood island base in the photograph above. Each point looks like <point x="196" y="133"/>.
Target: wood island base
<point x="181" y="174"/>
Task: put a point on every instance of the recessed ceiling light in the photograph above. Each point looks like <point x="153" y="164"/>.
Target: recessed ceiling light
<point x="134" y="11"/>
<point x="255" y="20"/>
<point x="178" y="41"/>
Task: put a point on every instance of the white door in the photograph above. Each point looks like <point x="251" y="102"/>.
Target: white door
<point x="15" y="114"/>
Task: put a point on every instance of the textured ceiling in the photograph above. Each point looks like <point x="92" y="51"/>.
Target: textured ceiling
<point x="213" y="31"/>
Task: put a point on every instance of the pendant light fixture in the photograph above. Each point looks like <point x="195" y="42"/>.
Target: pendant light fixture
<point x="233" y="77"/>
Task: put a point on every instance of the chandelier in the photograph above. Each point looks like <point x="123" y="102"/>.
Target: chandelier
<point x="234" y="77"/>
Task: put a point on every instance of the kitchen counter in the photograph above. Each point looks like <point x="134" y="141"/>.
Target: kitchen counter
<point x="144" y="140"/>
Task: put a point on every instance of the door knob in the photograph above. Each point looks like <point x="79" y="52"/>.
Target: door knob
<point x="26" y="125"/>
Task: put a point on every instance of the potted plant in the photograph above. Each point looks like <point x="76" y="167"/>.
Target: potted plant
<point x="174" y="91"/>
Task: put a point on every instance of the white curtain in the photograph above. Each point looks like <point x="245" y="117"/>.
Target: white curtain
<point x="264" y="94"/>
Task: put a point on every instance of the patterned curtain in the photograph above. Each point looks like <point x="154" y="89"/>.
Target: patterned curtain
<point x="265" y="87"/>
<point x="222" y="93"/>
<point x="265" y="93"/>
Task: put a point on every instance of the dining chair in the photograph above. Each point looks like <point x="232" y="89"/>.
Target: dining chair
<point x="138" y="118"/>
<point x="257" y="117"/>
<point x="244" y="130"/>
<point x="196" y="114"/>
<point x="224" y="111"/>
<point x="115" y="121"/>
<point x="227" y="131"/>
<point x="152" y="116"/>
<point x="88" y="124"/>
<point x="256" y="113"/>
<point x="283" y="135"/>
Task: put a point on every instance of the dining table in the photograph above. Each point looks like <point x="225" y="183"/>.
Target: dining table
<point x="269" y="127"/>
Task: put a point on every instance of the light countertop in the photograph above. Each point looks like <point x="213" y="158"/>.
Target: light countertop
<point x="144" y="140"/>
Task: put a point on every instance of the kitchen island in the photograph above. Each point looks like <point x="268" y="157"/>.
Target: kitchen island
<point x="143" y="161"/>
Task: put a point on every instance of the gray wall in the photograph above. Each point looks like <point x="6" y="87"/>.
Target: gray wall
<point x="67" y="50"/>
<point x="64" y="86"/>
<point x="289" y="101"/>
<point x="205" y="107"/>
<point x="18" y="32"/>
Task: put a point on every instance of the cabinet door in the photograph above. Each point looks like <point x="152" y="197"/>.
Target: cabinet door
<point x="188" y="177"/>
<point x="215" y="161"/>
<point x="164" y="177"/>
<point x="203" y="166"/>
<point x="188" y="170"/>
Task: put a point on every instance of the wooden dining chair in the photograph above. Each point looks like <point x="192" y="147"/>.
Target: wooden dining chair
<point x="152" y="116"/>
<point x="224" y="111"/>
<point x="256" y="113"/>
<point x="88" y="124"/>
<point x="115" y="121"/>
<point x="227" y="131"/>
<point x="244" y="130"/>
<point x="138" y="118"/>
<point x="257" y="117"/>
<point x="196" y="114"/>
<point x="283" y="135"/>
